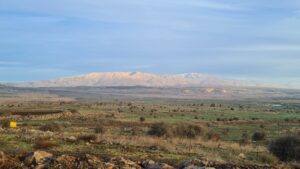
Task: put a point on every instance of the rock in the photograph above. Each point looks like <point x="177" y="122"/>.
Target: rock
<point x="196" y="167"/>
<point x="242" y="156"/>
<point x="109" y="166"/>
<point x="40" y="166"/>
<point x="38" y="157"/>
<point x="196" y="164"/>
<point x="71" y="139"/>
<point x="149" y="164"/>
<point x="104" y="142"/>
<point x="2" y="158"/>
<point x="121" y="162"/>
<point x="66" y="161"/>
<point x="2" y="129"/>
<point x="94" y="161"/>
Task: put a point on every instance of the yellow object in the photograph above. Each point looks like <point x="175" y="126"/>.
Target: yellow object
<point x="13" y="124"/>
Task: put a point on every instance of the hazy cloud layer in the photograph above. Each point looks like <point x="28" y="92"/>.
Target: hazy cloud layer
<point x="243" y="39"/>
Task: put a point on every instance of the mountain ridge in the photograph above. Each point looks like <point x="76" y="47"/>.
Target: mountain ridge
<point x="98" y="79"/>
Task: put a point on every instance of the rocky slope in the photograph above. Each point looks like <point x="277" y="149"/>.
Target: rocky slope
<point x="43" y="159"/>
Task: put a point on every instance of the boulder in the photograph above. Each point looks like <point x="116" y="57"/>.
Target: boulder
<point x="2" y="158"/>
<point x="242" y="156"/>
<point x="149" y="164"/>
<point x="195" y="164"/>
<point x="38" y="157"/>
<point x="121" y="162"/>
<point x="71" y="139"/>
<point x="94" y="161"/>
<point x="66" y="161"/>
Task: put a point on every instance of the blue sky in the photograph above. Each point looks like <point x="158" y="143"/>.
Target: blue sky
<point x="256" y="40"/>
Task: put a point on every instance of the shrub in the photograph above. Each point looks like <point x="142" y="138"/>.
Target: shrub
<point x="142" y="119"/>
<point x="245" y="139"/>
<point x="73" y="110"/>
<point x="160" y="130"/>
<point x="43" y="143"/>
<point x="88" y="138"/>
<point x="286" y="148"/>
<point x="213" y="136"/>
<point x="99" y="130"/>
<point x="54" y="127"/>
<point x="5" y="123"/>
<point x="188" y="131"/>
<point x="236" y="118"/>
<point x="259" y="136"/>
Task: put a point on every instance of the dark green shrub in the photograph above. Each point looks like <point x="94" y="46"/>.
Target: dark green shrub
<point x="286" y="148"/>
<point x="188" y="131"/>
<point x="142" y="119"/>
<point x="88" y="138"/>
<point x="160" y="130"/>
<point x="99" y="130"/>
<point x="259" y="136"/>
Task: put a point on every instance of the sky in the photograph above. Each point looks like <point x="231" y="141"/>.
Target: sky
<point x="253" y="40"/>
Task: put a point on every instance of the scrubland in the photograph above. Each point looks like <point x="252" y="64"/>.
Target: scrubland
<point x="164" y="130"/>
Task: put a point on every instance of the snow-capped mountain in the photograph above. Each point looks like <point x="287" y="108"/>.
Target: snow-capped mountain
<point x="141" y="79"/>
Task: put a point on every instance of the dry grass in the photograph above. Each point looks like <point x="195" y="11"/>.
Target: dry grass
<point x="44" y="143"/>
<point x="54" y="127"/>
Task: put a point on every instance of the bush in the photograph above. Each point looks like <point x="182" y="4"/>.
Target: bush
<point x="286" y="148"/>
<point x="188" y="131"/>
<point x="259" y="136"/>
<point x="43" y="143"/>
<point x="213" y="136"/>
<point x="142" y="119"/>
<point x="99" y="130"/>
<point x="245" y="139"/>
<point x="5" y="123"/>
<point x="73" y="110"/>
<point x="54" y="127"/>
<point x="88" y="138"/>
<point x="160" y="130"/>
<point x="181" y="130"/>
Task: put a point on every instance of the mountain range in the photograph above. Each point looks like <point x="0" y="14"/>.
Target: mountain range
<point x="101" y="79"/>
